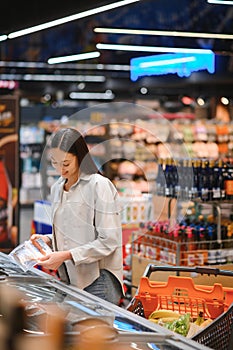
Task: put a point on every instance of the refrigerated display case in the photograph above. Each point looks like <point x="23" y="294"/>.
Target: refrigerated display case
<point x="39" y="291"/>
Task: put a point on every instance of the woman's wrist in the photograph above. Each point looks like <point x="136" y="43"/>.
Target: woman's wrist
<point x="67" y="255"/>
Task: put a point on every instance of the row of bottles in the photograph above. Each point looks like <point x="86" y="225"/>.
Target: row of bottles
<point x="186" y="243"/>
<point x="187" y="179"/>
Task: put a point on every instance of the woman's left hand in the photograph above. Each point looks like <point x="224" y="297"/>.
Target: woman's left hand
<point x="53" y="260"/>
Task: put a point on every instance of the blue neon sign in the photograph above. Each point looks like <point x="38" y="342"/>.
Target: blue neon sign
<point x="182" y="64"/>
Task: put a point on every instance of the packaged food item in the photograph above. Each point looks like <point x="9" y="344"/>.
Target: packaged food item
<point x="27" y="254"/>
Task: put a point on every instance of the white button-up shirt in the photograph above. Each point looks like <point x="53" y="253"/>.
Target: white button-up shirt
<point x="87" y="222"/>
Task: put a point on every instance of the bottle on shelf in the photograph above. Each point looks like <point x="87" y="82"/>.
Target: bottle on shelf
<point x="168" y="178"/>
<point x="228" y="183"/>
<point x="174" y="234"/>
<point x="160" y="179"/>
<point x="190" y="246"/>
<point x="150" y="251"/>
<point x="164" y="244"/>
<point x="229" y="240"/>
<point x="212" y="238"/>
<point x="218" y="189"/>
<point x="137" y="242"/>
<point x="195" y="182"/>
<point x="202" y="241"/>
<point x="186" y="179"/>
<point x="181" y="240"/>
<point x="177" y="178"/>
<point x="182" y="178"/>
<point x="204" y="180"/>
<point x="211" y="164"/>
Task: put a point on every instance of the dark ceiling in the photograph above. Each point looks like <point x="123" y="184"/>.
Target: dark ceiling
<point x="27" y="13"/>
<point x="179" y="15"/>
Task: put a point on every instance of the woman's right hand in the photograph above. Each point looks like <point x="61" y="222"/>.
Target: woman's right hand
<point x="35" y="236"/>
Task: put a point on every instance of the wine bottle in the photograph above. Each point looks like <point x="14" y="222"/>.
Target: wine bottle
<point x="195" y="183"/>
<point x="168" y="178"/>
<point x="183" y="179"/>
<point x="218" y="190"/>
<point x="211" y="179"/>
<point x="204" y="181"/>
<point x="160" y="179"/>
<point x="177" y="179"/>
<point x="229" y="182"/>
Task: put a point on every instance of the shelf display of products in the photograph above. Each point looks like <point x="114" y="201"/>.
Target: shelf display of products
<point x="206" y="139"/>
<point x="207" y="179"/>
<point x="136" y="208"/>
<point x="31" y="148"/>
<point x="186" y="244"/>
<point x="150" y="138"/>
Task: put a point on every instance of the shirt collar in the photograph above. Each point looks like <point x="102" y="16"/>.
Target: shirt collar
<point x="83" y="176"/>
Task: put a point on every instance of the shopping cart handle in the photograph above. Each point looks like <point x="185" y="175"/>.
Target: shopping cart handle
<point x="198" y="269"/>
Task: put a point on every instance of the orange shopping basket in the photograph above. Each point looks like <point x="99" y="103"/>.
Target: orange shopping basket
<point x="180" y="293"/>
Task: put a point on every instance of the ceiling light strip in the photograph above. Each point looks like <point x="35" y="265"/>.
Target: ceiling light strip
<point x="98" y="66"/>
<point x="55" y="77"/>
<point x="77" y="57"/>
<point x="220" y="2"/>
<point x="3" y="37"/>
<point x="67" y="19"/>
<point x="163" y="33"/>
<point x="107" y="95"/>
<point x="119" y="47"/>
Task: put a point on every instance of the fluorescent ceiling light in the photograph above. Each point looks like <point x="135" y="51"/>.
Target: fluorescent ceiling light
<point x="148" y="48"/>
<point x="220" y="2"/>
<point x="54" y="77"/>
<point x="90" y="66"/>
<point x="70" y="18"/>
<point x="107" y="95"/>
<point x="163" y="33"/>
<point x="3" y="37"/>
<point x="78" y="57"/>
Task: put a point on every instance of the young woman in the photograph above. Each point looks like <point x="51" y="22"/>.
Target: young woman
<point x="87" y="234"/>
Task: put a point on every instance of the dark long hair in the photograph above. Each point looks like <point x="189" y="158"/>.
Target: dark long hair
<point x="71" y="140"/>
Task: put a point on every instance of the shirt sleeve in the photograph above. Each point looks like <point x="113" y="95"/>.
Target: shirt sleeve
<point x="107" y="224"/>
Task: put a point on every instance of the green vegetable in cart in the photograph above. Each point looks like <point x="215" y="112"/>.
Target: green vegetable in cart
<point x="181" y="325"/>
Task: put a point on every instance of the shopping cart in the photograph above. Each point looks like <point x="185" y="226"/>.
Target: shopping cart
<point x="179" y="293"/>
<point x="219" y="334"/>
